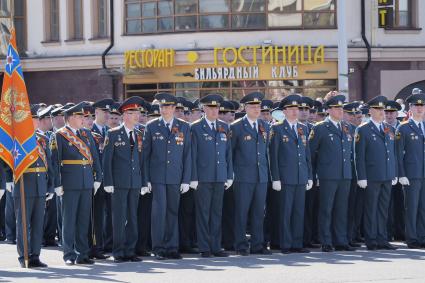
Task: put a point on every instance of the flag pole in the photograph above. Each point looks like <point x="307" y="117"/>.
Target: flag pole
<point x="24" y="220"/>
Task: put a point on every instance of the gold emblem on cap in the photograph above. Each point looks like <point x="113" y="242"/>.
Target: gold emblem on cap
<point x="303" y="104"/>
<point x="340" y="102"/>
<point x="294" y="102"/>
<point x="163" y="101"/>
<point x="255" y="99"/>
<point x="420" y="101"/>
<point x="381" y="104"/>
<point x="213" y="102"/>
<point x="221" y="108"/>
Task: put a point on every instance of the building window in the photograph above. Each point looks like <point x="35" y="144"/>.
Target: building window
<point x="75" y="20"/>
<point x="100" y="18"/>
<point x="402" y="17"/>
<point x="234" y="90"/>
<point x="19" y="20"/>
<point x="51" y="20"/>
<point x="157" y="16"/>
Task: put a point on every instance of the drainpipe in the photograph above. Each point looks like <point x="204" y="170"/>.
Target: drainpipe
<point x="105" y="70"/>
<point x="368" y="48"/>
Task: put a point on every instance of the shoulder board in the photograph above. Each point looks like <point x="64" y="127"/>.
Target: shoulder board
<point x="236" y="121"/>
<point x="363" y="124"/>
<point x="114" y="129"/>
<point x="319" y="123"/>
<point x="278" y="123"/>
<point x="197" y="121"/>
<point x="404" y="122"/>
<point x="96" y="135"/>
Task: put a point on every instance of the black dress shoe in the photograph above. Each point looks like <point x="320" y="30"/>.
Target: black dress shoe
<point x="134" y="259"/>
<point x="371" y="247"/>
<point x="414" y="246"/>
<point x="174" y="255"/>
<point x="119" y="259"/>
<point x="423" y="245"/>
<point x="143" y="253"/>
<point x="229" y="249"/>
<point x="50" y="244"/>
<point x="387" y="246"/>
<point x="2" y="237"/>
<point x="37" y="263"/>
<point x="354" y="245"/>
<point x="312" y="246"/>
<point x="69" y="262"/>
<point x="205" y="254"/>
<point x="300" y="250"/>
<point x="100" y="256"/>
<point x="11" y="242"/>
<point x="242" y="252"/>
<point x="262" y="252"/>
<point x="345" y="248"/>
<point x="285" y="251"/>
<point x="189" y="250"/>
<point x="327" y="248"/>
<point x="220" y="254"/>
<point x="274" y="247"/>
<point x="85" y="261"/>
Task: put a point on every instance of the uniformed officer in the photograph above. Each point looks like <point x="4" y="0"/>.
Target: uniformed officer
<point x="38" y="182"/>
<point x="167" y="168"/>
<point x="114" y="119"/>
<point x="122" y="164"/>
<point x="331" y="148"/>
<point x="227" y="114"/>
<point x="101" y="215"/>
<point x="187" y="226"/>
<point x="350" y="111"/>
<point x="45" y="127"/>
<point x="312" y="195"/>
<point x="250" y="137"/>
<point x="410" y="144"/>
<point x="211" y="174"/>
<point x="376" y="169"/>
<point x="266" y="108"/>
<point x="291" y="172"/>
<point x="78" y="168"/>
<point x="396" y="224"/>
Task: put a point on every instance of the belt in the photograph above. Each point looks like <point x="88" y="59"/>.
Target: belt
<point x="75" y="162"/>
<point x="36" y="170"/>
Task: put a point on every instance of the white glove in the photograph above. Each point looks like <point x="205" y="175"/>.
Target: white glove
<point x="1" y="193"/>
<point x="149" y="187"/>
<point x="109" y="189"/>
<point x="59" y="191"/>
<point x="10" y="186"/>
<point x="96" y="186"/>
<point x="362" y="184"/>
<point x="404" y="181"/>
<point x="394" y="181"/>
<point x="309" y="185"/>
<point x="276" y="185"/>
<point x="228" y="184"/>
<point x="144" y="191"/>
<point x="184" y="188"/>
<point x="194" y="184"/>
<point x="49" y="196"/>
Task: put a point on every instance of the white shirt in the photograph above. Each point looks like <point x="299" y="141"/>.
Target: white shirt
<point x="211" y="122"/>
<point x="335" y="123"/>
<point x="99" y="127"/>
<point x="72" y="129"/>
<point x="417" y="125"/>
<point x="252" y="123"/>
<point x="292" y="126"/>
<point x="170" y="123"/>
<point x="127" y="130"/>
<point x="378" y="125"/>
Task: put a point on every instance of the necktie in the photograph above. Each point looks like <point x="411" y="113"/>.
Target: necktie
<point x="168" y="127"/>
<point x="103" y="132"/>
<point x="254" y="126"/>
<point x="420" y="128"/>
<point x="339" y="126"/>
<point x="213" y="127"/>
<point x="131" y="140"/>
<point x="381" y="129"/>
<point x="294" y="130"/>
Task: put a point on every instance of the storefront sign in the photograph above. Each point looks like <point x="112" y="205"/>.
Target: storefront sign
<point x="385" y="13"/>
<point x="231" y="63"/>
